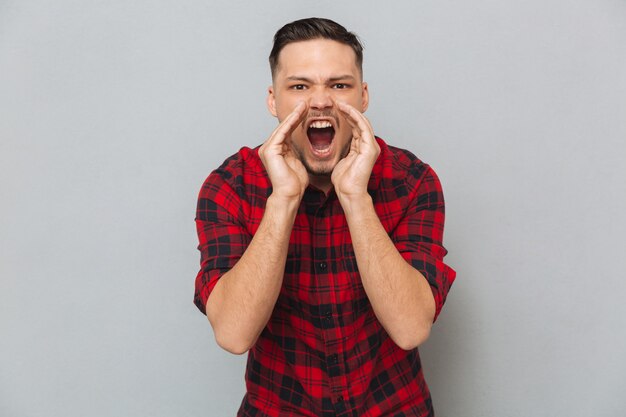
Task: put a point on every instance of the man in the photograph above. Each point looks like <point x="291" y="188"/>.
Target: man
<point x="321" y="250"/>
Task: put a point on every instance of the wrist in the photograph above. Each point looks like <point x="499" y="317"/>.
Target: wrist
<point x="355" y="203"/>
<point x="284" y="205"/>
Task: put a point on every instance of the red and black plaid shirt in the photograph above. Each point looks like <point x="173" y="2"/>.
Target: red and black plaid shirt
<point x="323" y="352"/>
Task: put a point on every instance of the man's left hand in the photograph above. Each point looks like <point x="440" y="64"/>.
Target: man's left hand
<point x="351" y="175"/>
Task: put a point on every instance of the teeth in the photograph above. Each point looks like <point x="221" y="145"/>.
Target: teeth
<point x="320" y="124"/>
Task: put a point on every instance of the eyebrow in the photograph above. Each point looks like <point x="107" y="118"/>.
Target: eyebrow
<point x="346" y="77"/>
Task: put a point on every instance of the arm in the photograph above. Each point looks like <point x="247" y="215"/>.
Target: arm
<point x="243" y="299"/>
<point x="400" y="295"/>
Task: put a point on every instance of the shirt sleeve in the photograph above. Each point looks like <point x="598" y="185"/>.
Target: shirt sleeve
<point x="419" y="235"/>
<point x="221" y="236"/>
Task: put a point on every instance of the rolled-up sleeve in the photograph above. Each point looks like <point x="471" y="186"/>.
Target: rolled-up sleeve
<point x="222" y="239"/>
<point x="419" y="235"/>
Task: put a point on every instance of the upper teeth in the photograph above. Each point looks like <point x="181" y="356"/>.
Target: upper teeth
<point x="320" y="124"/>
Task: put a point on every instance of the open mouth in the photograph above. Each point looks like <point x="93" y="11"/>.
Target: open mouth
<point x="320" y="134"/>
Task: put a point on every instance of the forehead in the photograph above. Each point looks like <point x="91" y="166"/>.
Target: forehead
<point x="316" y="57"/>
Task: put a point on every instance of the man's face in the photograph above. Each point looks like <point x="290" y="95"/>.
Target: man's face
<point x="319" y="72"/>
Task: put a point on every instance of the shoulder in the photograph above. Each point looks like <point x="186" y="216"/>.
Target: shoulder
<point x="404" y="185"/>
<point x="400" y="166"/>
<point x="240" y="172"/>
<point x="245" y="162"/>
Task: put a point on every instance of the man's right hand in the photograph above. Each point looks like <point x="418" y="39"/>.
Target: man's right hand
<point x="288" y="176"/>
<point x="244" y="297"/>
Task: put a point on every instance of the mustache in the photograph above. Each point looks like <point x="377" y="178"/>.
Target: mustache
<point x="316" y="114"/>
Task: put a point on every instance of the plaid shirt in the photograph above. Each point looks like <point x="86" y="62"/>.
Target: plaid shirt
<point x="323" y="352"/>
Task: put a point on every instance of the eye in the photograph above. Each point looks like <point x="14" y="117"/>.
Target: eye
<point x="298" y="87"/>
<point x="340" y="86"/>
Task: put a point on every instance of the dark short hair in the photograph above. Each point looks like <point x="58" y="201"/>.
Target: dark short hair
<point x="314" y="28"/>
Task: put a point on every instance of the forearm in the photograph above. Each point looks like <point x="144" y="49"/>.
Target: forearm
<point x="399" y="294"/>
<point x="243" y="299"/>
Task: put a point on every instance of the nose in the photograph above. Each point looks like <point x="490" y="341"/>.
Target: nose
<point x="320" y="99"/>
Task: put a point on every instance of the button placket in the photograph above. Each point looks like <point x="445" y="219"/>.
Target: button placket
<point x="327" y="318"/>
<point x="322" y="255"/>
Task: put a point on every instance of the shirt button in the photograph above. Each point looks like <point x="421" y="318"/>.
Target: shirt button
<point x="327" y="322"/>
<point x="339" y="399"/>
<point x="332" y="359"/>
<point x="322" y="266"/>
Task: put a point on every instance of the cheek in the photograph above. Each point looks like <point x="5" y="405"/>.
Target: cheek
<point x="343" y="136"/>
<point x="283" y="106"/>
<point x="358" y="103"/>
<point x="284" y="110"/>
<point x="352" y="97"/>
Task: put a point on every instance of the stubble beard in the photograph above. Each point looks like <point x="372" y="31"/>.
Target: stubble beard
<point x="326" y="169"/>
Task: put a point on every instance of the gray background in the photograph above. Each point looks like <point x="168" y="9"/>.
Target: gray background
<point x="113" y="113"/>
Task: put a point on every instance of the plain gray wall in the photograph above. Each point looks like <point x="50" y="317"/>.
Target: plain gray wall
<point x="113" y="113"/>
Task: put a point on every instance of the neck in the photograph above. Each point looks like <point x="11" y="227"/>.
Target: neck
<point x="322" y="182"/>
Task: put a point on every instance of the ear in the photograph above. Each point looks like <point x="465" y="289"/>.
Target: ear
<point x="365" y="96"/>
<point x="271" y="101"/>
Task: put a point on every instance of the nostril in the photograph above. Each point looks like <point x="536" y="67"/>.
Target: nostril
<point x="318" y="105"/>
<point x="320" y="100"/>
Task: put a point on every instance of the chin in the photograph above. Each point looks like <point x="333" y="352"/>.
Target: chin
<point x="320" y="169"/>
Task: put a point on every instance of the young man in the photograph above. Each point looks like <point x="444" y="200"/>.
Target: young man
<point x="321" y="250"/>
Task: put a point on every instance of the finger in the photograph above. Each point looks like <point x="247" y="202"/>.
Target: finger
<point x="357" y="119"/>
<point x="289" y="123"/>
<point x="341" y="106"/>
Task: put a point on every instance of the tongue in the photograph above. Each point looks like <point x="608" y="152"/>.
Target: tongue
<point x="320" y="138"/>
